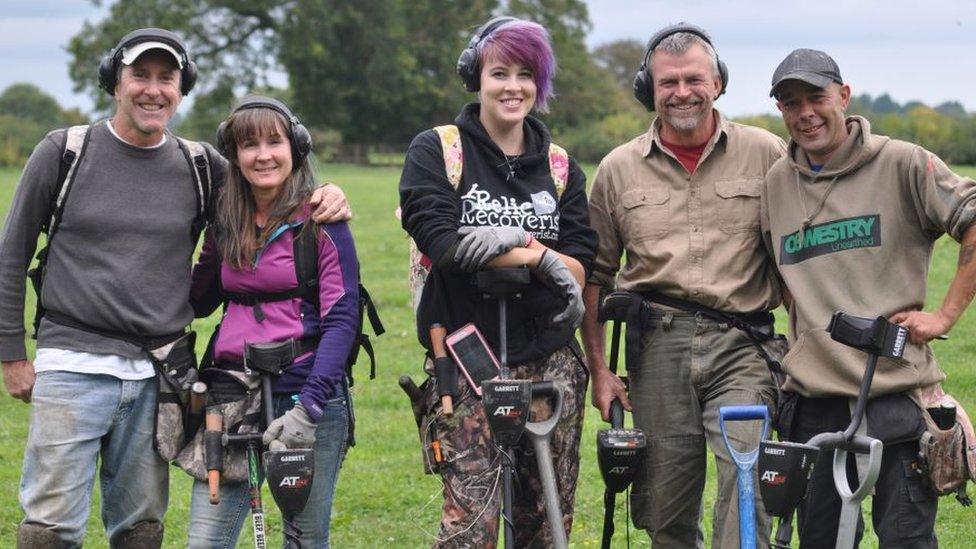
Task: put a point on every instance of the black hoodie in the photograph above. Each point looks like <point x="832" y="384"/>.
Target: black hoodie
<point x="494" y="191"/>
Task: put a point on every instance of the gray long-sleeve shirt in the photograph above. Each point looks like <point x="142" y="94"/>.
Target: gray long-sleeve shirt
<point x="122" y="255"/>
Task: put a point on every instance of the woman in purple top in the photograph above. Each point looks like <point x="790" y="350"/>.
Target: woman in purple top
<point x="261" y="211"/>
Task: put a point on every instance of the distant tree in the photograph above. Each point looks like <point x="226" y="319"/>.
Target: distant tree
<point x="621" y="58"/>
<point x="952" y="109"/>
<point x="884" y="104"/>
<point x="28" y="102"/>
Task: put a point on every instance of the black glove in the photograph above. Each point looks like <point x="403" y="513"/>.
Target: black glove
<point x="479" y="245"/>
<point x="555" y="274"/>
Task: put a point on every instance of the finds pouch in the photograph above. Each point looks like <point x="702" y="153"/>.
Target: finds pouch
<point x="949" y="454"/>
<point x="176" y="371"/>
<point x="236" y="397"/>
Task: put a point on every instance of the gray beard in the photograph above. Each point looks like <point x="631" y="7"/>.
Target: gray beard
<point x="685" y="123"/>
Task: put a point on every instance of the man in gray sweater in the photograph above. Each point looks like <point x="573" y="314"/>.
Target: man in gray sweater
<point x="117" y="277"/>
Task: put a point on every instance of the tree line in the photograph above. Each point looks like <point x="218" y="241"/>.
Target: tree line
<point x="371" y="74"/>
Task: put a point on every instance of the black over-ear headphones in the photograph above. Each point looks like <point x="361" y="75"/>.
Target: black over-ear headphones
<point x="108" y="69"/>
<point x="644" y="81"/>
<point x="468" y="66"/>
<point x="301" y="139"/>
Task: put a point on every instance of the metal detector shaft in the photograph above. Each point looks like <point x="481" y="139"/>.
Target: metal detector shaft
<point x="539" y="433"/>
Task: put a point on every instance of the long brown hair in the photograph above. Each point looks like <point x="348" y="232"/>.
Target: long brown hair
<point x="238" y="237"/>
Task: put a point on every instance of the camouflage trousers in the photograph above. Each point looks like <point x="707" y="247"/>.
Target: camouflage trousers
<point x="471" y="466"/>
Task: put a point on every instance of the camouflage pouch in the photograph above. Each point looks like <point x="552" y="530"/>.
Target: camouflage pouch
<point x="176" y="371"/>
<point x="943" y="454"/>
<point x="236" y="396"/>
<point x="949" y="456"/>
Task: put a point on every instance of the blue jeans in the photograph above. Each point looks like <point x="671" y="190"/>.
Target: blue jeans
<point x="75" y="420"/>
<point x="218" y="526"/>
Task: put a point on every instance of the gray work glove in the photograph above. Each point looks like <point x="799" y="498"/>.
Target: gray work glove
<point x="555" y="274"/>
<point x="479" y="245"/>
<point x="294" y="429"/>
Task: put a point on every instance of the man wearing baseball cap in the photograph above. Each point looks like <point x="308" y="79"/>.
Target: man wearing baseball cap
<point x="115" y="285"/>
<point x="851" y="218"/>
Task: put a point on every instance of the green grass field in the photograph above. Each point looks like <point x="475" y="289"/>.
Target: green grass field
<point x="383" y="497"/>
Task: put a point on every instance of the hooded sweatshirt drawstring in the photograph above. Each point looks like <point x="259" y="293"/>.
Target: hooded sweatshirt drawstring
<point x="808" y="218"/>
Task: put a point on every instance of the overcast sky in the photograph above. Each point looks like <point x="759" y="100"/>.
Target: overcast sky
<point x="911" y="50"/>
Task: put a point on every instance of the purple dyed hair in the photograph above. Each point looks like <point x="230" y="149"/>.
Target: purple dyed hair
<point x="525" y="43"/>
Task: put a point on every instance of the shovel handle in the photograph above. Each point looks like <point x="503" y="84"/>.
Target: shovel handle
<point x="743" y="413"/>
<point x="214" y="424"/>
<point x="437" y="335"/>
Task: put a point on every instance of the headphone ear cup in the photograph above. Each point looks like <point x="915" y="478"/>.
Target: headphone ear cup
<point x="467" y="68"/>
<point x="301" y="143"/>
<point x="723" y="71"/>
<point x="106" y="73"/>
<point x="189" y="77"/>
<point x="219" y="142"/>
<point x="644" y="89"/>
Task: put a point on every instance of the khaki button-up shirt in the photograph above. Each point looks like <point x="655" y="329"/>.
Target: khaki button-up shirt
<point x="689" y="236"/>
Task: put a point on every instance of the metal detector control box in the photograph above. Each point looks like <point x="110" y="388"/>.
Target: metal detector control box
<point x="875" y="336"/>
<point x="619" y="453"/>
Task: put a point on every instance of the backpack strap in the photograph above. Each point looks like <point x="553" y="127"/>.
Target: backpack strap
<point x="559" y="168"/>
<point x="75" y="143"/>
<point x="306" y="256"/>
<point x="453" y="155"/>
<point x="199" y="161"/>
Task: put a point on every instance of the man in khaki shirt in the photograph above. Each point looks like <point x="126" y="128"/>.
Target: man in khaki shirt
<point x="682" y="201"/>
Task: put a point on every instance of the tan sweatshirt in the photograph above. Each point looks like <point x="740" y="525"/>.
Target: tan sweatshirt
<point x="866" y="251"/>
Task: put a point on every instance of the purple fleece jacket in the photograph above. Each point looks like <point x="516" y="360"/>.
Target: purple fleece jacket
<point x="315" y="377"/>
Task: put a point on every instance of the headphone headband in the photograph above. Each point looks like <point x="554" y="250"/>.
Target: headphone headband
<point x="468" y="65"/>
<point x="109" y="67"/>
<point x="644" y="81"/>
<point x="300" y="137"/>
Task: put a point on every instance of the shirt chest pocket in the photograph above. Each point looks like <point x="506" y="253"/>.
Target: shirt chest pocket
<point x="738" y="204"/>
<point x="644" y="214"/>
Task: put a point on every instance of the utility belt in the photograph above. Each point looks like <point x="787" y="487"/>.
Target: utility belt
<point x="146" y="343"/>
<point x="639" y="309"/>
<point x="173" y="359"/>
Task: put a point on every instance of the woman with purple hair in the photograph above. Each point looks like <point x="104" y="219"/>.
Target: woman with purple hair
<point x="493" y="191"/>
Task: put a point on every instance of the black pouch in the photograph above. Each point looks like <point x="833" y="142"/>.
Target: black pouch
<point x="176" y="371"/>
<point x="236" y="396"/>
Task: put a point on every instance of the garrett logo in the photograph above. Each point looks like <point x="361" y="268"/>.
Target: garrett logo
<point x="505" y="388"/>
<point x="773" y="478"/>
<point x="292" y="458"/>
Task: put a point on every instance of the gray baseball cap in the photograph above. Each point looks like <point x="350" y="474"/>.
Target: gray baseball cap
<point x="811" y="66"/>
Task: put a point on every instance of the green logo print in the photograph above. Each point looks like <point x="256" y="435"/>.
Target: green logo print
<point x="835" y="236"/>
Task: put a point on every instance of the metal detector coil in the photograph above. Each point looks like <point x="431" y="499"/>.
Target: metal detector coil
<point x="784" y="470"/>
<point x="619" y="451"/>
<point x="290" y="474"/>
<point x="507" y="403"/>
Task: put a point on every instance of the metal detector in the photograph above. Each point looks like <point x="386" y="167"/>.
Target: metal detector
<point x="877" y="337"/>
<point x="507" y="404"/>
<point x="744" y="462"/>
<point x="266" y="360"/>
<point x="619" y="451"/>
<point x="290" y="474"/>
